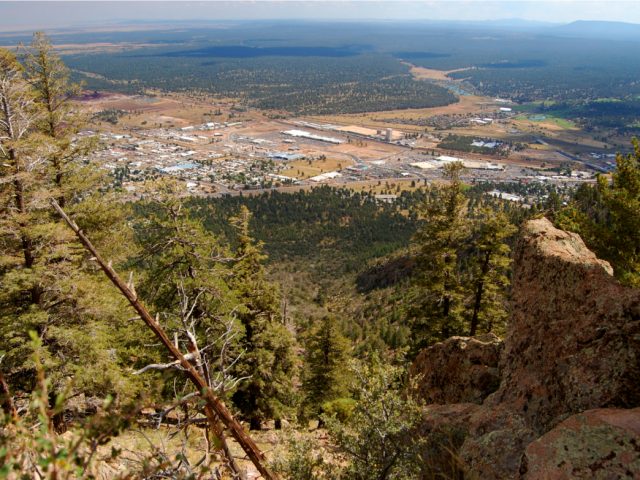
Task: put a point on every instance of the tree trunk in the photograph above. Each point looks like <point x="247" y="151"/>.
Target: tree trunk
<point x="446" y="306"/>
<point x="255" y="424"/>
<point x="57" y="418"/>
<point x="478" y="300"/>
<point x="18" y="187"/>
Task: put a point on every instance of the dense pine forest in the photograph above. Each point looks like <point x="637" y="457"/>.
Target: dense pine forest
<point x="225" y="317"/>
<point x="308" y="82"/>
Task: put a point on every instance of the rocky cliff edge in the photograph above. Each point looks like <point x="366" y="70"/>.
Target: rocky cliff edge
<point x="528" y="407"/>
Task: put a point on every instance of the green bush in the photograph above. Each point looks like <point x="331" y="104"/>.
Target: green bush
<point x="340" y="408"/>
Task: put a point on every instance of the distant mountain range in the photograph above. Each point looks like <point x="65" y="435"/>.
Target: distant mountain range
<point x="599" y="29"/>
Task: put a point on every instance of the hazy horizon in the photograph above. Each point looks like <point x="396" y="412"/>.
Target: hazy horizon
<point x="53" y="14"/>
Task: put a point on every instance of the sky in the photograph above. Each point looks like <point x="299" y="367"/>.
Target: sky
<point x="54" y="14"/>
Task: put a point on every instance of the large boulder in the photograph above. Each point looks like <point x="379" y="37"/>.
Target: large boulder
<point x="596" y="444"/>
<point x="572" y="345"/>
<point x="458" y="370"/>
<point x="573" y="341"/>
<point x="496" y="438"/>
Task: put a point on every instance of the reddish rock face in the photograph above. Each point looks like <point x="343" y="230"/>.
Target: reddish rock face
<point x="493" y="448"/>
<point x="573" y="342"/>
<point x="596" y="444"/>
<point x="460" y="369"/>
<point x="573" y="345"/>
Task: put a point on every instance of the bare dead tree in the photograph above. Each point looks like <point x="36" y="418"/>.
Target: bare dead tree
<point x="188" y="306"/>
<point x="215" y="410"/>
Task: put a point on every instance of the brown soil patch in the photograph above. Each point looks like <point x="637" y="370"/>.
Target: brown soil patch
<point x="422" y="73"/>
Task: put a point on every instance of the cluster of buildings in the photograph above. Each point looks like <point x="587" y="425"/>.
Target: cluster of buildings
<point x="203" y="161"/>
<point x="224" y="157"/>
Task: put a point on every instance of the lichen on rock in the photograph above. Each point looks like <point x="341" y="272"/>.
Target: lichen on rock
<point x="596" y="444"/>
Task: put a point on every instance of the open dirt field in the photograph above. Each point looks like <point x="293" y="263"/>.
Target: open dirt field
<point x="148" y="111"/>
<point x="422" y="73"/>
<point x="303" y="169"/>
<point x="468" y="104"/>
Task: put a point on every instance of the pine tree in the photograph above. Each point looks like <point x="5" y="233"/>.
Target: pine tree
<point x="48" y="285"/>
<point x="327" y="353"/>
<point x="608" y="216"/>
<point x="488" y="270"/>
<point x="179" y="258"/>
<point x="60" y="121"/>
<point x="435" y="301"/>
<point x="269" y="359"/>
<point x="621" y="198"/>
<point x="20" y="165"/>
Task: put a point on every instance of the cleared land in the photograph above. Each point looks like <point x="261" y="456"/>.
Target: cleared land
<point x="422" y="73"/>
<point x="154" y="110"/>
<point x="380" y="120"/>
<point x="303" y="169"/>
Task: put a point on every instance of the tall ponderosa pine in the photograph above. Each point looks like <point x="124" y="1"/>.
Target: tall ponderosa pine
<point x="489" y="266"/>
<point x="326" y="354"/>
<point x="59" y="121"/>
<point x="461" y="279"/>
<point x="435" y="301"/>
<point x="21" y="161"/>
<point x="269" y="360"/>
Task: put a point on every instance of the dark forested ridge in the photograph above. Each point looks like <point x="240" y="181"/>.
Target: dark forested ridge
<point x="324" y="222"/>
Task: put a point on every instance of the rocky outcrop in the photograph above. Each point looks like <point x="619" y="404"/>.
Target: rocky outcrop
<point x="460" y="369"/>
<point x="596" y="444"/>
<point x="573" y="341"/>
<point x="572" y="345"/>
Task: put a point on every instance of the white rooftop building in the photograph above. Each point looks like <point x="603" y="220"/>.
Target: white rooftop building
<point x="325" y="176"/>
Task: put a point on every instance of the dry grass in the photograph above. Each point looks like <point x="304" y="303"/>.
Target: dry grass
<point x="375" y="120"/>
<point x="151" y="443"/>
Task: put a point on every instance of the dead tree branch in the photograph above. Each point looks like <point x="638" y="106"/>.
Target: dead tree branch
<point x="216" y="408"/>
